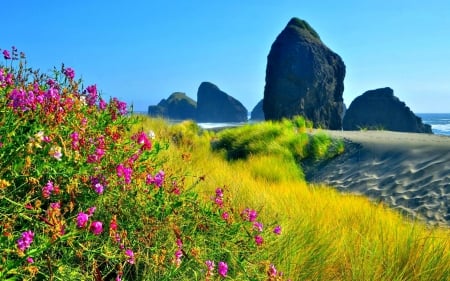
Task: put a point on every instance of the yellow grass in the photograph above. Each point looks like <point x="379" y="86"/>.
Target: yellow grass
<point x="326" y="235"/>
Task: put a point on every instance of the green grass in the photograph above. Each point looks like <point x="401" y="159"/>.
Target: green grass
<point x="326" y="235"/>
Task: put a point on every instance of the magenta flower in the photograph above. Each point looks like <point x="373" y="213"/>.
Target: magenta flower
<point x="92" y="95"/>
<point x="25" y="240"/>
<point x="259" y="240"/>
<point x="102" y="104"/>
<point x="277" y="230"/>
<point x="272" y="271"/>
<point x="96" y="227"/>
<point x="225" y="215"/>
<point x="219" y="201"/>
<point x="157" y="180"/>
<point x="249" y="215"/>
<point x="258" y="226"/>
<point x="91" y="210"/>
<point x="98" y="187"/>
<point x="6" y="55"/>
<point x="210" y="265"/>
<point x="219" y="192"/>
<point x="30" y="260"/>
<point x="142" y="139"/>
<point x="56" y="205"/>
<point x="124" y="172"/>
<point x="82" y="220"/>
<point x="222" y="268"/>
<point x="130" y="254"/>
<point x="70" y="73"/>
<point x="47" y="190"/>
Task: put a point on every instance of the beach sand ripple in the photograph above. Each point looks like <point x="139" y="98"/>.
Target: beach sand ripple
<point x="409" y="172"/>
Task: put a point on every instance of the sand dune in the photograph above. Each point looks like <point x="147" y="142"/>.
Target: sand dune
<point x="409" y="172"/>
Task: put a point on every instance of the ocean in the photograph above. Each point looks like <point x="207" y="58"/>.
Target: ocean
<point x="440" y="122"/>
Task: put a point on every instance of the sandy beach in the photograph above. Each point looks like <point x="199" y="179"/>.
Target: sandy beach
<point x="409" y="172"/>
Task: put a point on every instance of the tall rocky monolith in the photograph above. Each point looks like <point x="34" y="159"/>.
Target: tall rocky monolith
<point x="304" y="77"/>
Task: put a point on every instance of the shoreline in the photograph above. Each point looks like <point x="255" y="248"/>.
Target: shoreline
<point x="409" y="172"/>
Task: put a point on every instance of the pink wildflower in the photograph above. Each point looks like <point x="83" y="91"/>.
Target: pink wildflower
<point x="130" y="254"/>
<point x="25" y="240"/>
<point x="272" y="271"/>
<point x="223" y="269"/>
<point x="70" y="73"/>
<point x="30" y="260"/>
<point x="259" y="240"/>
<point x="91" y="210"/>
<point x="82" y="220"/>
<point x="96" y="227"/>
<point x="258" y="226"/>
<point x="47" y="190"/>
<point x="225" y="216"/>
<point x="277" y="230"/>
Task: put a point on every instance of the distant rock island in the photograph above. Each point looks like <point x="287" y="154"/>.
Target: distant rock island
<point x="257" y="113"/>
<point x="304" y="77"/>
<point x="380" y="109"/>
<point x="212" y="106"/>
<point x="178" y="106"/>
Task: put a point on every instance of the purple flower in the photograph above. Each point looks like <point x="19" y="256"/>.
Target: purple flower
<point x="259" y="240"/>
<point x="70" y="73"/>
<point x="25" y="240"/>
<point x="219" y="201"/>
<point x="98" y="187"/>
<point x="96" y="227"/>
<point x="82" y="220"/>
<point x="30" y="260"/>
<point x="130" y="254"/>
<point x="277" y="230"/>
<point x="222" y="268"/>
<point x="6" y="55"/>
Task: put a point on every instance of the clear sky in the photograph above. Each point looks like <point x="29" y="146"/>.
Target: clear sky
<point x="142" y="51"/>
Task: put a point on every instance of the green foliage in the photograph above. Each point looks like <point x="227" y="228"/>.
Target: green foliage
<point x="87" y="194"/>
<point x="284" y="143"/>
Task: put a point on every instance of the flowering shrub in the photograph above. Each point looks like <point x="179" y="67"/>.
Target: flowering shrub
<point x="83" y="196"/>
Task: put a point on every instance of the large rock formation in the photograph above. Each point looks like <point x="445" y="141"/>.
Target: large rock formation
<point x="214" y="105"/>
<point x="257" y="113"/>
<point x="304" y="77"/>
<point x="178" y="106"/>
<point x="380" y="109"/>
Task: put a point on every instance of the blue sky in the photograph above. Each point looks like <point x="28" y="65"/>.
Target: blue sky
<point x="142" y="51"/>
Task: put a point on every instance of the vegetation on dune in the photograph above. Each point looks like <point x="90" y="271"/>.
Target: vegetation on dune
<point x="90" y="192"/>
<point x="87" y="194"/>
<point x="326" y="235"/>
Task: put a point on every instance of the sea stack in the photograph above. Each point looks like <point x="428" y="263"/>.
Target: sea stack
<point x="214" y="105"/>
<point x="304" y="77"/>
<point x="379" y="109"/>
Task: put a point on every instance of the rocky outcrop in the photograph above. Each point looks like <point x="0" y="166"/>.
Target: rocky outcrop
<point x="257" y="113"/>
<point x="304" y="77"/>
<point x="214" y="105"/>
<point x="379" y="109"/>
<point x="178" y="106"/>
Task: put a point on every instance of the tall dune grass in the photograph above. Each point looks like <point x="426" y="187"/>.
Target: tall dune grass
<point x="326" y="235"/>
